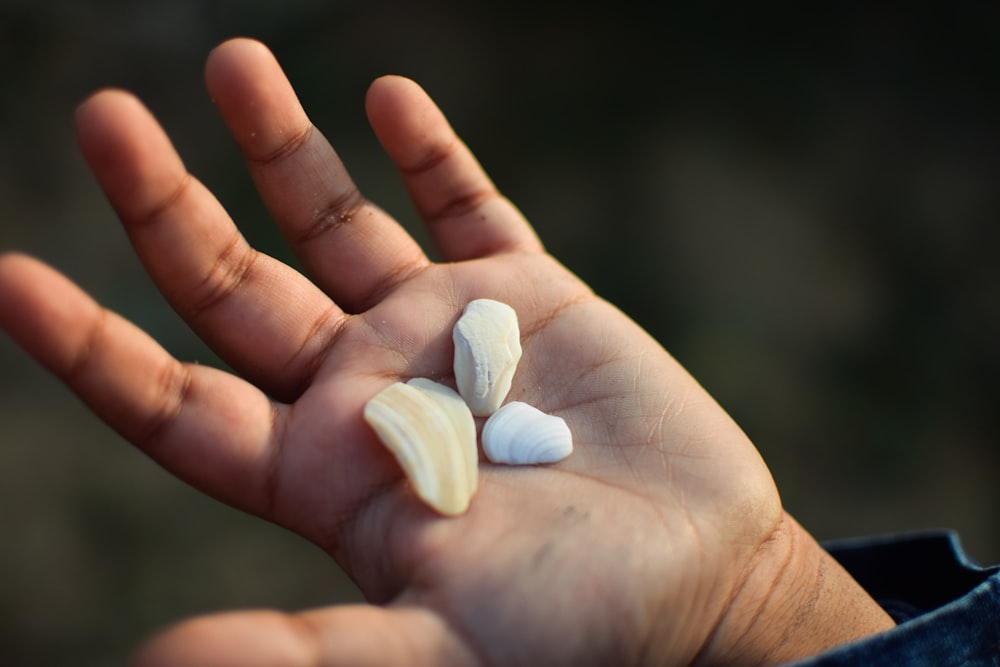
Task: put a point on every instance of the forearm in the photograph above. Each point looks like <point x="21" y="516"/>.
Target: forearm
<point x="796" y="601"/>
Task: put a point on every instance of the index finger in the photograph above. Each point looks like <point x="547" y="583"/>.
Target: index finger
<point x="208" y="427"/>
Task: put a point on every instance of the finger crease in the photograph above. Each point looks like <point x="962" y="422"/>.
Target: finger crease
<point x="272" y="477"/>
<point x="232" y="270"/>
<point x="401" y="273"/>
<point x="340" y="211"/>
<point x="85" y="353"/>
<point x="463" y="204"/>
<point x="311" y="635"/>
<point x="329" y="325"/>
<point x="288" y="148"/>
<point x="168" y="202"/>
<point x="175" y="381"/>
<point x="434" y="158"/>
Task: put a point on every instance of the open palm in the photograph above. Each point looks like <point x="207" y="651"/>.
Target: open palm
<point x="633" y="551"/>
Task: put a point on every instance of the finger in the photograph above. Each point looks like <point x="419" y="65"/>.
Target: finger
<point x="239" y="639"/>
<point x="354" y="636"/>
<point x="263" y="318"/>
<point x="465" y="214"/>
<point x="207" y="427"/>
<point x="352" y="249"/>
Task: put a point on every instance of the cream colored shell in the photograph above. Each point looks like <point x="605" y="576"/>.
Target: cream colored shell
<point x="520" y="434"/>
<point x="487" y="349"/>
<point x="431" y="432"/>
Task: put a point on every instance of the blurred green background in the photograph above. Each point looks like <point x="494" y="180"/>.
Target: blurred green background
<point x="802" y="208"/>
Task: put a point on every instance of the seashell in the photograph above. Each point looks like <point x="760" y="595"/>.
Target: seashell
<point x="465" y="426"/>
<point x="518" y="433"/>
<point x="430" y="431"/>
<point x="487" y="349"/>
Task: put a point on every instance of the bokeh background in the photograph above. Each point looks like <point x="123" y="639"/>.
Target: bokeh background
<point x="803" y="209"/>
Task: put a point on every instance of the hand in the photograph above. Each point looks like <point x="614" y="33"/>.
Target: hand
<point x="660" y="541"/>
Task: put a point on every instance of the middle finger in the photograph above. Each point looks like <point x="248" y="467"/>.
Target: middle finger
<point x="262" y="317"/>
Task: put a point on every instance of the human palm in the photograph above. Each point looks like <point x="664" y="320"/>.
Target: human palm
<point x="650" y="514"/>
<point x="635" y="550"/>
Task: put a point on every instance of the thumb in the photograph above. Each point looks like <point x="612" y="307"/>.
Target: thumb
<point x="356" y="635"/>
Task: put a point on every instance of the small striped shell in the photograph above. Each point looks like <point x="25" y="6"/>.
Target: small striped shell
<point x="520" y="434"/>
<point x="432" y="434"/>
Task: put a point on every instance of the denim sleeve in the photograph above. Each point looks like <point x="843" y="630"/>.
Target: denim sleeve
<point x="946" y="607"/>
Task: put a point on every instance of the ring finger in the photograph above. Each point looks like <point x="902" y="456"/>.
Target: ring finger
<point x="352" y="249"/>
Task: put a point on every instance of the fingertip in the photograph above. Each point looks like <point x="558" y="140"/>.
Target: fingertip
<point x="239" y="43"/>
<point x="390" y="94"/>
<point x="232" y="52"/>
<point x="253" y="95"/>
<point x="11" y="257"/>
<point x="407" y="122"/>
<point x="110" y="118"/>
<point x="18" y="267"/>
<point x="388" y="84"/>
<point x="93" y="112"/>
<point x="39" y="306"/>
<point x="13" y="265"/>
<point x="99" y="96"/>
<point x="127" y="150"/>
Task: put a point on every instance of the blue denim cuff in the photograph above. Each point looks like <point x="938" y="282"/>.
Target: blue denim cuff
<point x="947" y="607"/>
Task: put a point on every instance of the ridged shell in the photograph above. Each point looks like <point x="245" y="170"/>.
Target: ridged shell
<point x="465" y="426"/>
<point x="430" y="431"/>
<point x="487" y="349"/>
<point x="518" y="433"/>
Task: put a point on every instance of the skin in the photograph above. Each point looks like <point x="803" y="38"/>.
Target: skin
<point x="660" y="541"/>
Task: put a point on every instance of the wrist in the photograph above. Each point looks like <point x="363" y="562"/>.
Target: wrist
<point x="795" y="601"/>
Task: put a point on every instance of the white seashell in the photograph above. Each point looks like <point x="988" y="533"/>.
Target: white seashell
<point x="487" y="349"/>
<point x="465" y="426"/>
<point x="431" y="433"/>
<point x="518" y="433"/>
